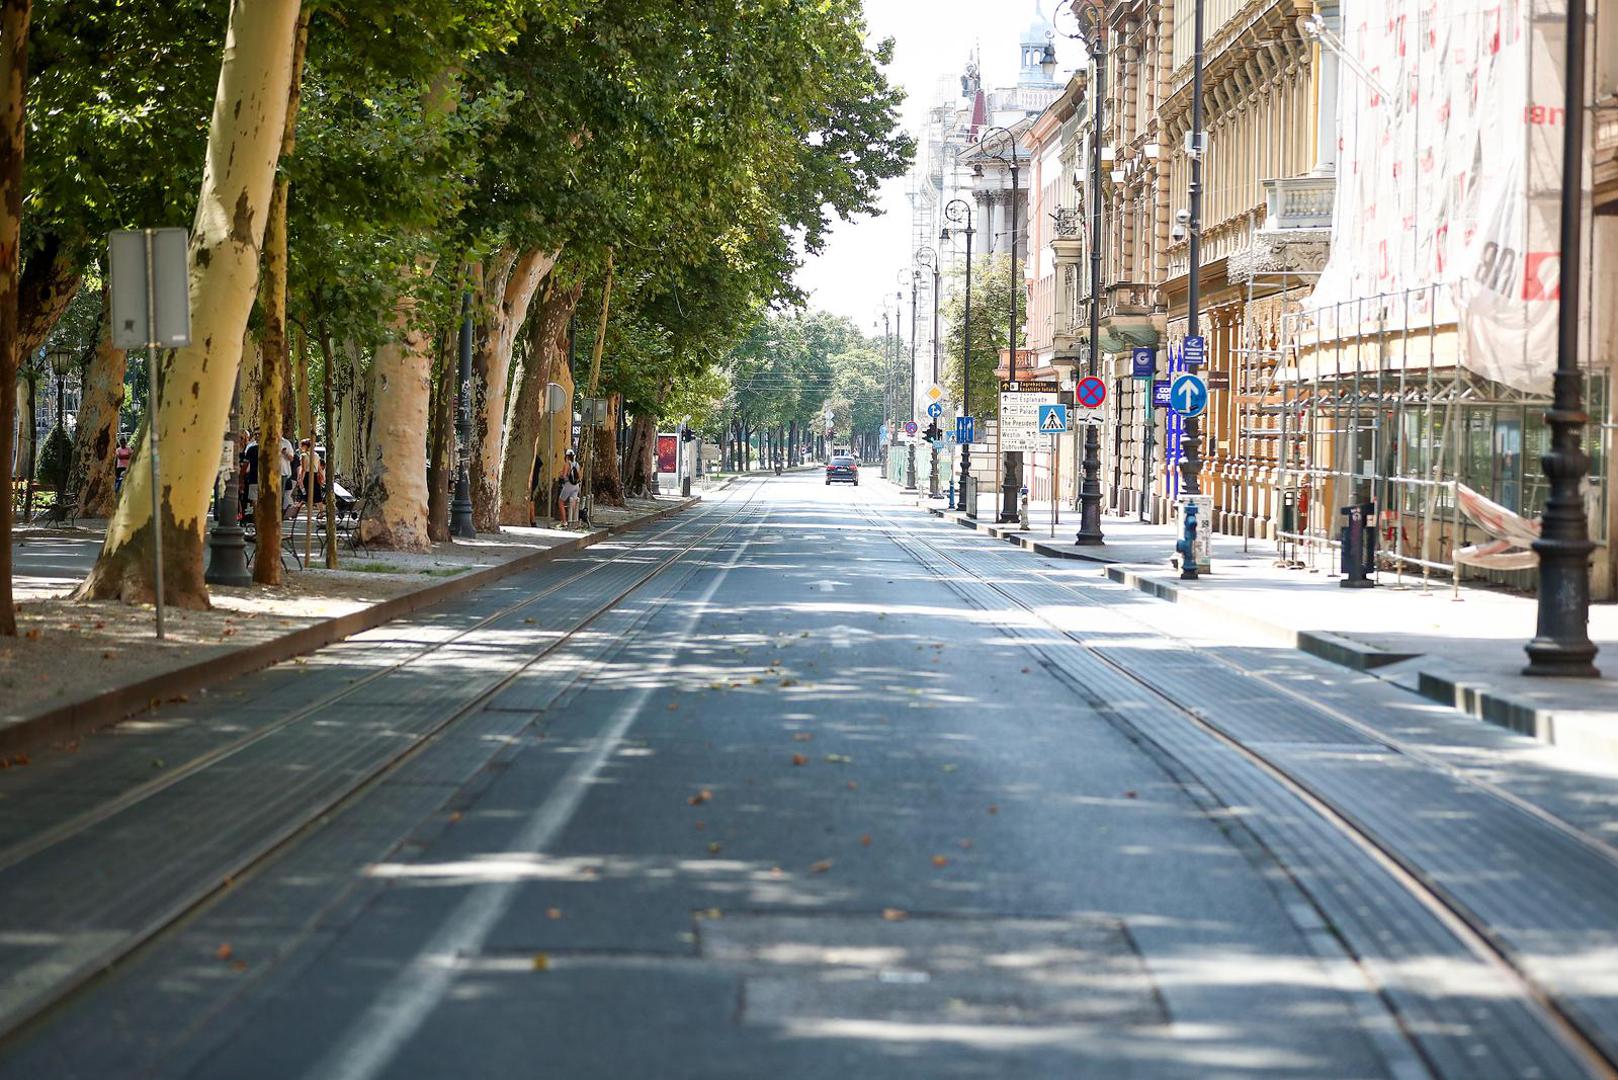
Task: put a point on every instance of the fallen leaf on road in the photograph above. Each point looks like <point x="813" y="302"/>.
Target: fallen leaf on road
<point x="107" y="655"/>
<point x="1026" y="670"/>
<point x="799" y="759"/>
<point x="455" y="815"/>
<point x="789" y="682"/>
<point x="853" y="785"/>
<point x="223" y="952"/>
<point x="993" y="809"/>
<point x="553" y="913"/>
<point x="238" y="965"/>
<point x="1129" y="795"/>
<point x="713" y="848"/>
<point x="701" y="825"/>
<point x="32" y="635"/>
<point x="542" y="961"/>
<point x="674" y="706"/>
<point x="700" y="797"/>
<point x="950" y="768"/>
<point x="940" y="860"/>
<point x="893" y="914"/>
<point x="755" y="680"/>
<point x="157" y="763"/>
<point x="820" y="867"/>
<point x="865" y="839"/>
<point x="528" y="621"/>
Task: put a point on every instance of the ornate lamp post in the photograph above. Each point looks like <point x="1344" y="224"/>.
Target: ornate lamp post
<point x="1092" y="30"/>
<point x="1562" y="645"/>
<point x="958" y="213"/>
<point x="61" y="363"/>
<point x="927" y="260"/>
<point x="1011" y="468"/>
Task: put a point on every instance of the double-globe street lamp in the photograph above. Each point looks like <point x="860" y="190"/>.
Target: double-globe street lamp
<point x="1011" y="460"/>
<point x="958" y="215"/>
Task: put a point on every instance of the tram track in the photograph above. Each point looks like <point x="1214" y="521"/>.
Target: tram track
<point x="23" y="1001"/>
<point x="1571" y="1031"/>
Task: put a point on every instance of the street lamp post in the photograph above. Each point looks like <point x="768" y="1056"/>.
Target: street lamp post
<point x="1191" y="442"/>
<point x="460" y="511"/>
<point x="1562" y="645"/>
<point x="927" y="259"/>
<point x="959" y="213"/>
<point x="1094" y="35"/>
<point x="910" y="408"/>
<point x="227" y="542"/>
<point x="61" y="363"/>
<point x="1011" y="460"/>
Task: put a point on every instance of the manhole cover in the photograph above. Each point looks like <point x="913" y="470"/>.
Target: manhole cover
<point x="932" y="969"/>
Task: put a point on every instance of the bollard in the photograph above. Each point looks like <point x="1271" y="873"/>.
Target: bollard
<point x="1359" y="546"/>
<point x="1187" y="546"/>
<point x="951" y="492"/>
<point x="1022" y="510"/>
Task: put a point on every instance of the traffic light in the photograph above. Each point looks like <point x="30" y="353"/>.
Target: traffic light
<point x="686" y="434"/>
<point x="933" y="433"/>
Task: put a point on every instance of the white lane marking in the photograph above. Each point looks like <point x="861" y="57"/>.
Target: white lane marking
<point x="370" y="1045"/>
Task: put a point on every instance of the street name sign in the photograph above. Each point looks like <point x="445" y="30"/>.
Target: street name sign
<point x="1195" y="351"/>
<point x="1091" y="392"/>
<point x="1052" y="419"/>
<point x="1188" y="395"/>
<point x="1143" y="359"/>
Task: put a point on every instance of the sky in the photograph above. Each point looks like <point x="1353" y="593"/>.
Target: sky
<point x="932" y="39"/>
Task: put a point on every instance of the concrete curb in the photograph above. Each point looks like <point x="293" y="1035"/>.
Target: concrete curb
<point x="78" y="717"/>
<point x="1577" y="729"/>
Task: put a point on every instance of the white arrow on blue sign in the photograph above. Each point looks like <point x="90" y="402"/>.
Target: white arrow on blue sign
<point x="964" y="432"/>
<point x="1189" y="394"/>
<point x="935" y="410"/>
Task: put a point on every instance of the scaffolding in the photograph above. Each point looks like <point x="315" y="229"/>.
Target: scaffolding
<point x="1366" y="401"/>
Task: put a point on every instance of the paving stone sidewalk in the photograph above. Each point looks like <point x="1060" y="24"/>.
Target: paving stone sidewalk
<point x="1461" y="647"/>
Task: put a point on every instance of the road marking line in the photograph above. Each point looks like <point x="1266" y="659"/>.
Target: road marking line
<point x="370" y="1045"/>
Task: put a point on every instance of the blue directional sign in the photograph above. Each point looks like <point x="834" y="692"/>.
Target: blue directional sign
<point x="935" y="410"/>
<point x="1195" y="351"/>
<point x="1144" y="361"/>
<point x="1189" y="394"/>
<point x="964" y="429"/>
<point x="1052" y="419"/>
<point x="1160" y="393"/>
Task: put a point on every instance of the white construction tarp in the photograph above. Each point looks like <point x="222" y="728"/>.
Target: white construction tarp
<point x="1449" y="172"/>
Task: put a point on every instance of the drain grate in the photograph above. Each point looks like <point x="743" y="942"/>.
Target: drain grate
<point x="933" y="969"/>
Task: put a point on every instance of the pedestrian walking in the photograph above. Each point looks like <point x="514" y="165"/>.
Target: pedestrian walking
<point x="120" y="462"/>
<point x="572" y="481"/>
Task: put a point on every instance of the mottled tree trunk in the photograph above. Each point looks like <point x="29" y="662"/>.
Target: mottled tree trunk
<point x="95" y="465"/>
<point x="642" y="457"/>
<point x="14" y="19"/>
<point x="274" y="350"/>
<point x="606" y="482"/>
<point x="507" y="297"/>
<point x="244" y="141"/>
<point x="400" y="393"/>
<point x="530" y="429"/>
<point x="249" y="379"/>
<point x="440" y="442"/>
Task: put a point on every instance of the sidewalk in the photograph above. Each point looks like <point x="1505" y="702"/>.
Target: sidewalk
<point x="1465" y="652"/>
<point x="75" y="667"/>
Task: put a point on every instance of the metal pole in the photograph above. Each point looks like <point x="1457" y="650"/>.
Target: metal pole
<point x="1011" y="460"/>
<point x="910" y="408"/>
<point x="1191" y="437"/>
<point x="460" y="511"/>
<point x="152" y="426"/>
<point x="966" y="370"/>
<point x="1562" y="645"/>
<point x="1090" y="489"/>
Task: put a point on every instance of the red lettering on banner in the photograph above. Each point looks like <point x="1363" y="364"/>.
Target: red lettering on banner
<point x="1542" y="276"/>
<point x="1440" y="245"/>
<point x="1492" y="18"/>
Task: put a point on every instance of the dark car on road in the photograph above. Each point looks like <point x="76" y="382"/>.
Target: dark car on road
<point x="843" y="470"/>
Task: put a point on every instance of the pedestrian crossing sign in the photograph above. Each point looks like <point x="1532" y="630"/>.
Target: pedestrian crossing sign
<point x="1052" y="419"/>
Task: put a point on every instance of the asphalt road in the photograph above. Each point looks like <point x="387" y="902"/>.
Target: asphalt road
<point x="809" y="785"/>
